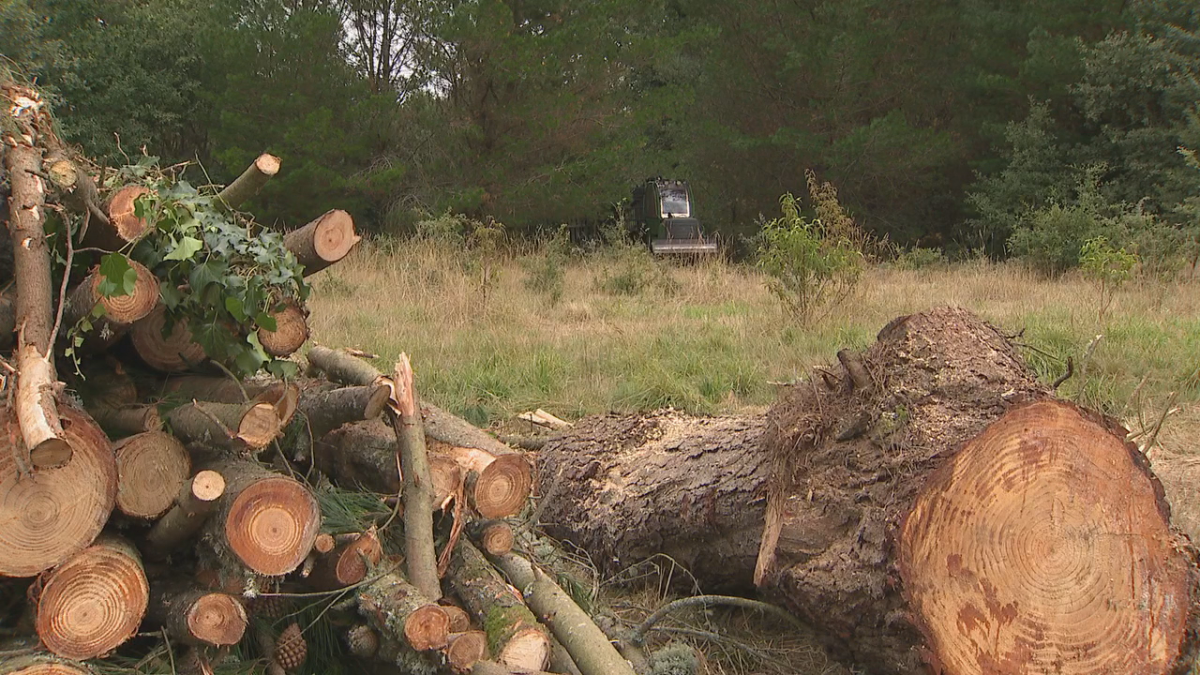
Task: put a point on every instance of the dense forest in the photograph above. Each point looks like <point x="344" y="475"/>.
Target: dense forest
<point x="991" y="126"/>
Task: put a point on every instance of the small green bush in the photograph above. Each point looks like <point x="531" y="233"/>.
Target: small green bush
<point x="811" y="261"/>
<point x="918" y="258"/>
<point x="1110" y="267"/>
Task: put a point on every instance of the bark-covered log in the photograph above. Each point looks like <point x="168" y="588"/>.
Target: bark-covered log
<point x="119" y="313"/>
<point x="398" y="611"/>
<point x="347" y="564"/>
<point x="197" y="499"/>
<point x="42" y="664"/>
<point x="37" y="383"/>
<point x="265" y="521"/>
<point x="290" y="333"/>
<point x="588" y="645"/>
<point x="93" y="602"/>
<point x="360" y="456"/>
<point x="417" y="483"/>
<point x="252" y="425"/>
<point x="328" y="409"/>
<point x="939" y="516"/>
<point x="516" y="638"/>
<point x="172" y="352"/>
<point x="245" y="186"/>
<point x="56" y="513"/>
<point x="493" y="668"/>
<point x="8" y="318"/>
<point x="196" y="616"/>
<point x="126" y="420"/>
<point x="123" y="224"/>
<point x="625" y="488"/>
<point x="151" y="469"/>
<point x="322" y="242"/>
<point x="220" y="389"/>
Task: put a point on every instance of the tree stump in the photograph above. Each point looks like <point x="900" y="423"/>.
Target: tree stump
<point x="950" y="514"/>
<point x="57" y="512"/>
<point x="625" y="488"/>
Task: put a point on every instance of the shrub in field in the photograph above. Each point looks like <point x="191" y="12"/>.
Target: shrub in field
<point x="546" y="270"/>
<point x="918" y="258"/>
<point x="1110" y="267"/>
<point x="810" y="261"/>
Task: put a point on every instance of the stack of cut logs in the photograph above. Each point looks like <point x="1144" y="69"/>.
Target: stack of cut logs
<point x="154" y="495"/>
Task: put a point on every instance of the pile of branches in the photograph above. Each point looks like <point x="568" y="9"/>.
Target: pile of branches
<point x="177" y="497"/>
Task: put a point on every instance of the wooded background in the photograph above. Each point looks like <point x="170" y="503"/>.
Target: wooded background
<point x="941" y="123"/>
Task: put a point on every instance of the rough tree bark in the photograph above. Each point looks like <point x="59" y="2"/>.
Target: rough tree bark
<point x="198" y="498"/>
<point x="37" y="383"/>
<point x="951" y="514"/>
<point x="625" y="488"/>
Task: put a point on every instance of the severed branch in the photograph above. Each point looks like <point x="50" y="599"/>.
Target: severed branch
<point x="587" y="644"/>
<point x="245" y="186"/>
<point x="37" y="384"/>
<point x="418" y="483"/>
<point x="638" y="636"/>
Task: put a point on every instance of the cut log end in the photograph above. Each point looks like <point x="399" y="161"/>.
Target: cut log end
<point x="272" y="524"/>
<point x="496" y="539"/>
<point x="502" y="488"/>
<point x="428" y="627"/>
<point x="1046" y="525"/>
<point x="42" y="665"/>
<point x="126" y="309"/>
<point x="51" y="453"/>
<point x="465" y="649"/>
<point x="170" y="353"/>
<point x="207" y="486"/>
<point x="259" y="426"/>
<point x="527" y="650"/>
<point x="268" y="164"/>
<point x="94" y="602"/>
<point x="121" y="212"/>
<point x="291" y="332"/>
<point x="60" y="511"/>
<point x="323" y="242"/>
<point x="151" y="469"/>
<point x="217" y="619"/>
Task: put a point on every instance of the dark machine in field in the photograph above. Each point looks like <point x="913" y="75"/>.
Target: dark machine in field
<point x="663" y="213"/>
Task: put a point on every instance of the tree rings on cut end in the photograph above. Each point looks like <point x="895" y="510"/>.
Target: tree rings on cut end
<point x="151" y="470"/>
<point x="57" y="512"/>
<point x="122" y="212"/>
<point x="42" y="664"/>
<point x="170" y="353"/>
<point x="94" y="602"/>
<point x="465" y="649"/>
<point x="217" y="619"/>
<point x="334" y="236"/>
<point x="427" y="627"/>
<point x="502" y="488"/>
<point x="272" y="524"/>
<point x="291" y="332"/>
<point x="1043" y="546"/>
<point x="125" y="309"/>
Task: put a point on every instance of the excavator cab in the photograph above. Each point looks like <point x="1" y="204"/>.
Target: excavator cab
<point x="663" y="213"/>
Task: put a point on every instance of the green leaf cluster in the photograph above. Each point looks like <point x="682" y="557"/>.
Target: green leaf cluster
<point x="810" y="261"/>
<point x="221" y="273"/>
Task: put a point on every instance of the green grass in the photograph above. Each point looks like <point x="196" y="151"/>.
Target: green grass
<point x="709" y="337"/>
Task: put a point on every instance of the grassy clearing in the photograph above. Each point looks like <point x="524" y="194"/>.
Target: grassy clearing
<point x="630" y="333"/>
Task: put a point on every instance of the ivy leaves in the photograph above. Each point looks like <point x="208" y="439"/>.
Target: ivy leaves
<point x="223" y="274"/>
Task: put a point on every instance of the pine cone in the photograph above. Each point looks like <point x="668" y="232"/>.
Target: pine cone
<point x="270" y="607"/>
<point x="362" y="641"/>
<point x="291" y="649"/>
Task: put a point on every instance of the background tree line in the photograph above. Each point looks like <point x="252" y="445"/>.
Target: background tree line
<point x="980" y="125"/>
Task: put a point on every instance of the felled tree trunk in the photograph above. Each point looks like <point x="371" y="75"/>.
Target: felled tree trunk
<point x="347" y="564"/>
<point x="94" y="602"/>
<point x="251" y="425"/>
<point x="944" y="511"/>
<point x="265" y="522"/>
<point x="55" y="514"/>
<point x="290" y="333"/>
<point x="322" y="242"/>
<point x="245" y="186"/>
<point x="398" y="611"/>
<point x="625" y="488"/>
<point x="42" y="664"/>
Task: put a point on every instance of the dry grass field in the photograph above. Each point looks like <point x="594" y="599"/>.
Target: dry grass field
<point x="628" y="333"/>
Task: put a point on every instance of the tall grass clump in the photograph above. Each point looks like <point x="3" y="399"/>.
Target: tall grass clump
<point x="810" y="262"/>
<point x="546" y="270"/>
